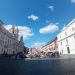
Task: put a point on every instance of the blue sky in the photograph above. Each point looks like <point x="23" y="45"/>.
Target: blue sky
<point x="38" y="20"/>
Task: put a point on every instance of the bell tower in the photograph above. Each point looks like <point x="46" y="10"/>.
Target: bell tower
<point x="21" y="38"/>
<point x="15" y="32"/>
<point x="1" y="23"/>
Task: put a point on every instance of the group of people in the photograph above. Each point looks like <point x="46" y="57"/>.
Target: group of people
<point x="53" y="54"/>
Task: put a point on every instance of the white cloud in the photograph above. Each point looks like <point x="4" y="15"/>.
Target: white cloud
<point x="38" y="44"/>
<point x="73" y="1"/>
<point x="23" y="30"/>
<point x="7" y="26"/>
<point x="49" y="29"/>
<point x="51" y="7"/>
<point x="33" y="17"/>
<point x="56" y="23"/>
<point x="47" y="21"/>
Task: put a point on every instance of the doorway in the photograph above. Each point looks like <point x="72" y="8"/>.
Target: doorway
<point x="68" y="50"/>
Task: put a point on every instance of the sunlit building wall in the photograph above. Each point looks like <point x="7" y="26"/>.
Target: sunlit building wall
<point x="9" y="42"/>
<point x="51" y="46"/>
<point x="66" y="39"/>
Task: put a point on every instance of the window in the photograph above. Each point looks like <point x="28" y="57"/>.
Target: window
<point x="62" y="51"/>
<point x="74" y="37"/>
<point x="73" y="28"/>
<point x="60" y="36"/>
<point x="65" y="33"/>
<point x="61" y="43"/>
<point x="67" y="41"/>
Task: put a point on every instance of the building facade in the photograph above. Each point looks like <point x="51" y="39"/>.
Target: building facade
<point x="51" y="46"/>
<point x="66" y="39"/>
<point x="9" y="42"/>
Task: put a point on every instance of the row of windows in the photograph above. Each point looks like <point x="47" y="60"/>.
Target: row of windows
<point x="67" y="40"/>
<point x="5" y="39"/>
<point x="73" y="29"/>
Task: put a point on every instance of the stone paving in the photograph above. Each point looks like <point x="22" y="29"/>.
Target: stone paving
<point x="64" y="65"/>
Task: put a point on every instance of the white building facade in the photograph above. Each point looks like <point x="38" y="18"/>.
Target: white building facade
<point x="66" y="39"/>
<point x="51" y="46"/>
<point x="9" y="42"/>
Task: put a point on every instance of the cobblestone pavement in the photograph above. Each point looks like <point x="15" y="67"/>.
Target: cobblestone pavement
<point x="64" y="66"/>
